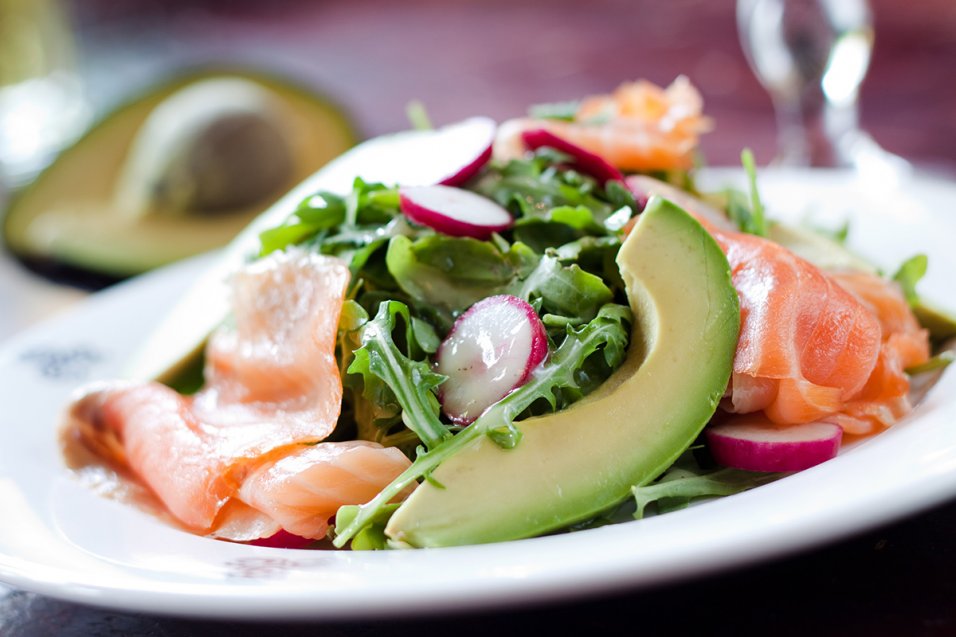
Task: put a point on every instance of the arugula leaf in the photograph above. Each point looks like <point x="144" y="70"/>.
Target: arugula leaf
<point x="372" y="536"/>
<point x="370" y="204"/>
<point x="418" y="116"/>
<point x="577" y="217"/>
<point x="452" y="273"/>
<point x="533" y="187"/>
<point x="358" y="246"/>
<point x="323" y="210"/>
<point x="564" y="111"/>
<point x="597" y="256"/>
<point x="758" y="221"/>
<point x="541" y="234"/>
<point x="747" y="213"/>
<point x="507" y="436"/>
<point x="400" y="381"/>
<point x="909" y="274"/>
<point x="606" y="335"/>
<point x="839" y="234"/>
<point x="280" y="237"/>
<point x="679" y="486"/>
<point x="738" y="210"/>
<point x="314" y="214"/>
<point x="620" y="196"/>
<point x="568" y="291"/>
<point x="937" y="362"/>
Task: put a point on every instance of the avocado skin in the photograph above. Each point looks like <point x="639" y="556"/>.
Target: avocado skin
<point x="575" y="464"/>
<point x="122" y="245"/>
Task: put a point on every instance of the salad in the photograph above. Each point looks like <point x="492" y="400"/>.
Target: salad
<point x="560" y="332"/>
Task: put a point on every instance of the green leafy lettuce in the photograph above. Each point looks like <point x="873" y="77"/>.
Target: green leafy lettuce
<point x="558" y="256"/>
<point x="604" y="337"/>
<point x="746" y="210"/>
<point x="686" y="481"/>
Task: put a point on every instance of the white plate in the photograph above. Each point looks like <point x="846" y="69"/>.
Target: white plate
<point x="59" y="538"/>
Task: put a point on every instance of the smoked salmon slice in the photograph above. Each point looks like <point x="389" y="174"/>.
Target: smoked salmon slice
<point x="799" y="329"/>
<point x="638" y="127"/>
<point x="819" y="346"/>
<point x="272" y="395"/>
<point x="885" y="397"/>
<point x="813" y="345"/>
<point x="303" y="489"/>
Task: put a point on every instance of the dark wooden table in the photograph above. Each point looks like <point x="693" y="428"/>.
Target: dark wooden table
<point x="494" y="58"/>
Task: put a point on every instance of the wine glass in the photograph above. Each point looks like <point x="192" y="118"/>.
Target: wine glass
<point x="812" y="56"/>
<point x="41" y="101"/>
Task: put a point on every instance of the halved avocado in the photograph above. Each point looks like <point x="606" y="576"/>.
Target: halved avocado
<point x="178" y="339"/>
<point x="574" y="464"/>
<point x="178" y="171"/>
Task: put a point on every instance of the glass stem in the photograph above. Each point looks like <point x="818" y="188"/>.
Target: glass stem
<point x="794" y="149"/>
<point x="813" y="131"/>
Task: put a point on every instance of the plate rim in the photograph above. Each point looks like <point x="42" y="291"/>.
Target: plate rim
<point x="576" y="582"/>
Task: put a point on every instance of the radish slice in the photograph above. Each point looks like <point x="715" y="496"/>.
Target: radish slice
<point x="283" y="540"/>
<point x="755" y="444"/>
<point x="644" y="187"/>
<point x="453" y="211"/>
<point x="491" y="349"/>
<point x="582" y="160"/>
<point x="472" y="150"/>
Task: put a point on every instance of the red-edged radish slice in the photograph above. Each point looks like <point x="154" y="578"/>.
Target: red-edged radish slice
<point x="283" y="540"/>
<point x="472" y="150"/>
<point x="453" y="211"/>
<point x="408" y="158"/>
<point x="644" y="187"/>
<point x="583" y="160"/>
<point x="754" y="444"/>
<point x="492" y="348"/>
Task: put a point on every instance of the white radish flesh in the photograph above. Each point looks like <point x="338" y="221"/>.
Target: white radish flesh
<point x="753" y="444"/>
<point x="453" y="211"/>
<point x="583" y="160"/>
<point x="644" y="187"/>
<point x="472" y="150"/>
<point x="492" y="349"/>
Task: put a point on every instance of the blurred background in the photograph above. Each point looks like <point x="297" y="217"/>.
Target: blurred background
<point x="495" y="57"/>
<point x="66" y="64"/>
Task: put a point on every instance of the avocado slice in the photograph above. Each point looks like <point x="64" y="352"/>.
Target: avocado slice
<point x="574" y="464"/>
<point x="177" y="171"/>
<point x="940" y="322"/>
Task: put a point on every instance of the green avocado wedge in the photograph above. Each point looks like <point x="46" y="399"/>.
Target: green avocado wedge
<point x="575" y="464"/>
<point x="176" y="171"/>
